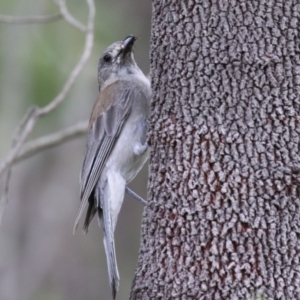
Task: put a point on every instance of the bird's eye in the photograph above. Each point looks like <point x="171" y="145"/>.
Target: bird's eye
<point x="107" y="58"/>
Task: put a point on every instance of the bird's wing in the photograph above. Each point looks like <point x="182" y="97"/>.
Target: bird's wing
<point x="110" y="112"/>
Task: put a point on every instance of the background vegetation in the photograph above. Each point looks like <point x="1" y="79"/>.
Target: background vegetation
<point x="39" y="256"/>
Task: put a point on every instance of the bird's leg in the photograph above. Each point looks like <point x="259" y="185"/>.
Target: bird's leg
<point x="135" y="196"/>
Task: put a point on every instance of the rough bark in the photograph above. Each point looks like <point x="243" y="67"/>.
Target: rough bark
<point x="223" y="220"/>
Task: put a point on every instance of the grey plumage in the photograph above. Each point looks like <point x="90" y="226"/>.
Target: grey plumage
<point x="116" y="147"/>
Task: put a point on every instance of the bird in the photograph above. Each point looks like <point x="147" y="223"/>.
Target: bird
<point x="117" y="145"/>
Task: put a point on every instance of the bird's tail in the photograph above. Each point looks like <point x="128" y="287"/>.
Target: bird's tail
<point x="111" y="196"/>
<point x="109" y="246"/>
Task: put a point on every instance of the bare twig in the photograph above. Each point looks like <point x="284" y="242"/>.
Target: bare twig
<point x="81" y="63"/>
<point x="68" y="17"/>
<point x="30" y="111"/>
<point x="4" y="198"/>
<point x="40" y="112"/>
<point x="27" y="124"/>
<point x="30" y="19"/>
<point x="33" y="114"/>
<point x="33" y="147"/>
<point x="23" y="131"/>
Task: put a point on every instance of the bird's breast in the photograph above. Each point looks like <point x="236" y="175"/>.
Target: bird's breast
<point x="123" y="159"/>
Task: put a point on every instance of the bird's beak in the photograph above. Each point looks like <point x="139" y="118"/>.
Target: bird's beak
<point x="127" y="45"/>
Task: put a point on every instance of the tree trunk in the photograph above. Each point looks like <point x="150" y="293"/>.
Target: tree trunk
<point x="223" y="220"/>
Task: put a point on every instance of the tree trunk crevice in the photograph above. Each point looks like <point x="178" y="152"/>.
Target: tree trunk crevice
<point x="223" y="220"/>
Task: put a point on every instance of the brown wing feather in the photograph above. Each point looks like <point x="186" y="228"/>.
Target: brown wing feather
<point x="108" y="117"/>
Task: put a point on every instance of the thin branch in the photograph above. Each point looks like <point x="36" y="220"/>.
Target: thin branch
<point x="31" y="114"/>
<point x="16" y="134"/>
<point x="78" y="68"/>
<point x="33" y="147"/>
<point x="30" y="19"/>
<point x="40" y="112"/>
<point x="68" y="17"/>
<point x="30" y="111"/>
<point x="4" y="198"/>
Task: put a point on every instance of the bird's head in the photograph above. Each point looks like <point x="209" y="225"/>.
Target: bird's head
<point x="116" y="61"/>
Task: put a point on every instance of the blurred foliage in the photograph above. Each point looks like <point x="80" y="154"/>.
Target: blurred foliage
<point x="39" y="257"/>
<point x="36" y="59"/>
